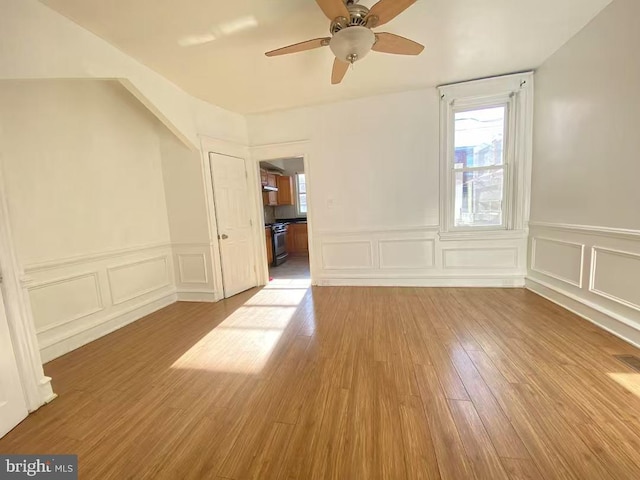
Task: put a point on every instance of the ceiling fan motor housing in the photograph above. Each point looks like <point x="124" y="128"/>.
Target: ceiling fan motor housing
<point x="358" y="14"/>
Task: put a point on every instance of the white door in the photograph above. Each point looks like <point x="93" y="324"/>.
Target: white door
<point x="12" y="405"/>
<point x="233" y="214"/>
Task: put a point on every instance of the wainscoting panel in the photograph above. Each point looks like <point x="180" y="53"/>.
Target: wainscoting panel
<point x="57" y="302"/>
<point x="347" y="255"/>
<point x="407" y="254"/>
<point x="192" y="268"/>
<point x="194" y="272"/>
<point x="417" y="257"/>
<point x="133" y="280"/>
<point x="75" y="301"/>
<point x="615" y="275"/>
<point x="558" y="259"/>
<point x="480" y="258"/>
<point x="593" y="271"/>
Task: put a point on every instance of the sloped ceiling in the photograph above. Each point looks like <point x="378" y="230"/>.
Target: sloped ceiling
<point x="214" y="49"/>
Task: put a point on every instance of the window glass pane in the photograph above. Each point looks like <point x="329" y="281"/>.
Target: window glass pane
<point x="479" y="137"/>
<point x="302" y="185"/>
<point x="302" y="203"/>
<point x="479" y="197"/>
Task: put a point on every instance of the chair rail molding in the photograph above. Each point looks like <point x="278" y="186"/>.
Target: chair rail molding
<point x="589" y="229"/>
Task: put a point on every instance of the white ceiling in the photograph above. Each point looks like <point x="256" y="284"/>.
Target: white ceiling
<point x="214" y="49"/>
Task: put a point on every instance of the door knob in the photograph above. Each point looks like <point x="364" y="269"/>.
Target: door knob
<point x="224" y="236"/>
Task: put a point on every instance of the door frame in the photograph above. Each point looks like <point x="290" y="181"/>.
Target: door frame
<point x="262" y="153"/>
<point x="223" y="147"/>
<point x="36" y="386"/>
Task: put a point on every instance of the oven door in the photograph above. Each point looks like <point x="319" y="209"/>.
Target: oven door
<point x="280" y="247"/>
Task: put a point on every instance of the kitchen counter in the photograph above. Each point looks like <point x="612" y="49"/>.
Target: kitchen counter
<point x="292" y="220"/>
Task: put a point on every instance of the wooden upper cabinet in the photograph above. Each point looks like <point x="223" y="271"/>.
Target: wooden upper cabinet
<point x="286" y="194"/>
<point x="270" y="199"/>
<point x="272" y="180"/>
<point x="264" y="177"/>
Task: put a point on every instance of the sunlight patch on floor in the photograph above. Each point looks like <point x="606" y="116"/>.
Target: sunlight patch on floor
<point x="629" y="381"/>
<point x="244" y="341"/>
<point x="289" y="283"/>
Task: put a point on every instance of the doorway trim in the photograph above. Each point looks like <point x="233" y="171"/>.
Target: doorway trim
<point x="261" y="153"/>
<point x="36" y="386"/>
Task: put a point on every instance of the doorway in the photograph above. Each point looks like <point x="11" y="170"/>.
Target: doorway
<point x="233" y="219"/>
<point x="285" y="202"/>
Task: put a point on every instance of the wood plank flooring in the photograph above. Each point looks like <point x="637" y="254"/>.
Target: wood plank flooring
<point x="289" y="382"/>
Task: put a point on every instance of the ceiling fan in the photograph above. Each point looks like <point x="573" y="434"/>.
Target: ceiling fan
<point x="352" y="38"/>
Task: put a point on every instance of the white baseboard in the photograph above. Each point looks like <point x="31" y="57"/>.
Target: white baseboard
<point x="77" y="340"/>
<point x="195" y="296"/>
<point x="442" y="281"/>
<point x="613" y="323"/>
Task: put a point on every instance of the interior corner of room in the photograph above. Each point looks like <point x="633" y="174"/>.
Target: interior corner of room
<point x="222" y="257"/>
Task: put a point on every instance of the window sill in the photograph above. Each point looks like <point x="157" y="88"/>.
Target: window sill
<point x="465" y="235"/>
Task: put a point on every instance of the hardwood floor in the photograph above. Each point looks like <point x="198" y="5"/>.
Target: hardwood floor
<point x="347" y="383"/>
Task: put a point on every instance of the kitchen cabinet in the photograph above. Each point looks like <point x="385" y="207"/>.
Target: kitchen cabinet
<point x="270" y="199"/>
<point x="286" y="194"/>
<point x="269" y="180"/>
<point x="272" y="180"/>
<point x="267" y="234"/>
<point x="298" y="239"/>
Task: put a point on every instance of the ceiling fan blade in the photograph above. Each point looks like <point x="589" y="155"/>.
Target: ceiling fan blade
<point x="339" y="71"/>
<point x="300" y="47"/>
<point x="390" y="43"/>
<point x="387" y="10"/>
<point x="334" y="8"/>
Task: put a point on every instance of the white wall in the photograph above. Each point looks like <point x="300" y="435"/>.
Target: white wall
<point x="586" y="173"/>
<point x="82" y="167"/>
<point x="377" y="157"/>
<point x="84" y="185"/>
<point x="374" y="195"/>
<point x="187" y="214"/>
<point x="37" y="43"/>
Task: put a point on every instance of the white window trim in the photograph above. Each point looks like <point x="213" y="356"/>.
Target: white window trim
<point x="516" y="91"/>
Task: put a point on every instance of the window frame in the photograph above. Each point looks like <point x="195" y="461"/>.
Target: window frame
<point x="300" y="213"/>
<point x="514" y="93"/>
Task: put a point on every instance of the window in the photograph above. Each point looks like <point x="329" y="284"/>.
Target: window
<point x="485" y="151"/>
<point x="479" y="167"/>
<point x="301" y="188"/>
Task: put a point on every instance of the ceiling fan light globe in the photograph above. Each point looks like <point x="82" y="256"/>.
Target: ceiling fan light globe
<point x="352" y="43"/>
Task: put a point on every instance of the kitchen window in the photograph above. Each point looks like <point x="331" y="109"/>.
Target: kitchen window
<point x="301" y="189"/>
<point x="485" y="152"/>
